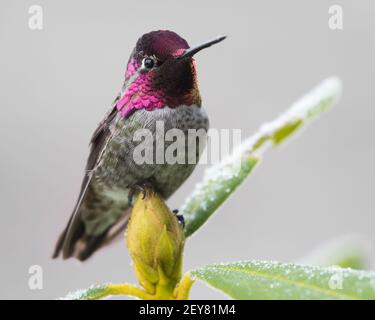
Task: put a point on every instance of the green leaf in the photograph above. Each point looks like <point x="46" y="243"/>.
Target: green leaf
<point x="274" y="280"/>
<point x="220" y="181"/>
<point x="280" y="134"/>
<point x="92" y="293"/>
<point x="215" y="189"/>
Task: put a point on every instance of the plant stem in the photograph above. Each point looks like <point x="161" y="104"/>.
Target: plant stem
<point x="183" y="288"/>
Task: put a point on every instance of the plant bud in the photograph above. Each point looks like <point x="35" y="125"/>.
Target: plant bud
<point x="155" y="241"/>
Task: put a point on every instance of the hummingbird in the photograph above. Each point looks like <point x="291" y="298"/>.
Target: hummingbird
<point x="160" y="85"/>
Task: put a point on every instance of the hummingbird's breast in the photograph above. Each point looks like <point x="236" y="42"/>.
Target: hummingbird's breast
<point x="121" y="166"/>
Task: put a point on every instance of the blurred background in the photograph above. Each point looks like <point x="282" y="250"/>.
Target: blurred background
<point x="57" y="83"/>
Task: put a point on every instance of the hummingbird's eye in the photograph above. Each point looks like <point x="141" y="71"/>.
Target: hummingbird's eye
<point x="148" y="63"/>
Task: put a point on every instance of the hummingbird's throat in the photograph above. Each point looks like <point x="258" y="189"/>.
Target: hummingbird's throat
<point x="140" y="95"/>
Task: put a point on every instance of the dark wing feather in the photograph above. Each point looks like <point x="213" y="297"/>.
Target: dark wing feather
<point x="75" y="227"/>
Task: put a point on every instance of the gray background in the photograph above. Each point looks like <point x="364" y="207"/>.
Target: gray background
<point x="56" y="84"/>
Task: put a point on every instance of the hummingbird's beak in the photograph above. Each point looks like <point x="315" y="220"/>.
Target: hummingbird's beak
<point x="192" y="51"/>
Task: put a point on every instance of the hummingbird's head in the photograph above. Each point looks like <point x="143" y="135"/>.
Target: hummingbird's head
<point x="161" y="72"/>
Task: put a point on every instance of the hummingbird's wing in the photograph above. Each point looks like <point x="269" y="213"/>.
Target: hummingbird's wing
<point x="73" y="240"/>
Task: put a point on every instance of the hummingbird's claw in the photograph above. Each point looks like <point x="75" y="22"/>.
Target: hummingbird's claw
<point x="133" y="191"/>
<point x="130" y="197"/>
<point x="179" y="217"/>
<point x="139" y="188"/>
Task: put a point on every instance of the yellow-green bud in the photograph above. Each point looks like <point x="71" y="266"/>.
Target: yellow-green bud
<point x="155" y="240"/>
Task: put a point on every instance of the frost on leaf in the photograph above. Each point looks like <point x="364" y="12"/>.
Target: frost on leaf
<point x="275" y="280"/>
<point x="220" y="181"/>
<point x="91" y="293"/>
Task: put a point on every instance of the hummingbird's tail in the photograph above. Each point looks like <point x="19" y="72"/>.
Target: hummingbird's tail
<point x="85" y="245"/>
<point x="97" y="219"/>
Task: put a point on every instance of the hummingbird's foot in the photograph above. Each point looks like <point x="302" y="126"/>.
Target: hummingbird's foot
<point x="179" y="217"/>
<point x="133" y="191"/>
<point x="138" y="188"/>
<point x="130" y="198"/>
